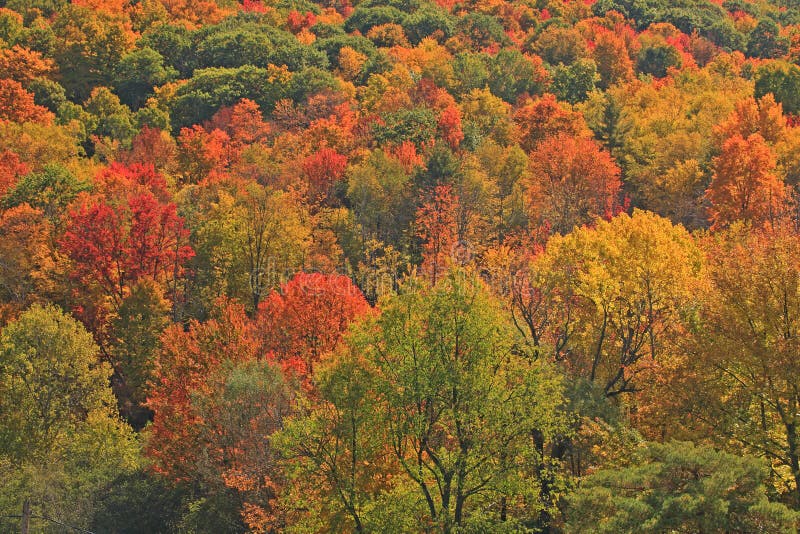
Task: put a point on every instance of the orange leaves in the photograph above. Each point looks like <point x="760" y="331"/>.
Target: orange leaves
<point x="744" y="185"/>
<point x="298" y="22"/>
<point x="182" y="368"/>
<point x="436" y="226"/>
<point x="323" y="169"/>
<point x="257" y="519"/>
<point x="406" y="154"/>
<point x="253" y="6"/>
<point x="27" y="258"/>
<point x="218" y="393"/>
<point x="764" y="117"/>
<point x="351" y="63"/>
<point x="243" y="123"/>
<point x="308" y="317"/>
<point x="545" y="117"/>
<point x="114" y="7"/>
<point x="388" y="35"/>
<point x="196" y="12"/>
<point x="433" y="96"/>
<point x="153" y="146"/>
<point x="212" y="150"/>
<point x="126" y="233"/>
<point x="573" y="182"/>
<point x="23" y="65"/>
<point x="17" y="105"/>
<point x="117" y="180"/>
<point x="11" y="169"/>
<point x="333" y="123"/>
<point x="202" y="153"/>
<point x="450" y="126"/>
<point x="614" y="64"/>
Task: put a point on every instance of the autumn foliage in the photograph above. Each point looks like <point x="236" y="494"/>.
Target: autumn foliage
<point x="291" y="332"/>
<point x="17" y="104"/>
<point x="323" y="169"/>
<point x="573" y="182"/>
<point x="350" y="266"/>
<point x="745" y="186"/>
<point x="436" y="223"/>
<point x="306" y="319"/>
<point x="11" y="169"/>
<point x="182" y="367"/>
<point x="119" y="237"/>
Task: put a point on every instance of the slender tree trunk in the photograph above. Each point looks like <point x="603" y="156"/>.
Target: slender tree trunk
<point x="359" y="526"/>
<point x="26" y="517"/>
<point x="599" y="352"/>
<point x="794" y="459"/>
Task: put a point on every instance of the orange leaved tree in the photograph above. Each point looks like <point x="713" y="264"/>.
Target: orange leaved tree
<point x="745" y="185"/>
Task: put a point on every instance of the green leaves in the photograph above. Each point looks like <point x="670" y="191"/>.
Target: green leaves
<point x="138" y="73"/>
<point x="782" y="80"/>
<point x="50" y="379"/>
<point x="443" y="382"/>
<point x="679" y="487"/>
<point x="60" y="437"/>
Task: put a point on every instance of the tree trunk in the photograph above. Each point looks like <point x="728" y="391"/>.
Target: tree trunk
<point x="26" y="517"/>
<point x="794" y="460"/>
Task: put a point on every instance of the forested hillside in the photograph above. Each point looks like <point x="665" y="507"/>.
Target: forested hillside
<point x="389" y="266"/>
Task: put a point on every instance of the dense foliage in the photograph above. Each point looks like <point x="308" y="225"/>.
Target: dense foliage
<point x="399" y="266"/>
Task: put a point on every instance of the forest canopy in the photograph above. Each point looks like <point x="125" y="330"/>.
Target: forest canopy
<point x="438" y="266"/>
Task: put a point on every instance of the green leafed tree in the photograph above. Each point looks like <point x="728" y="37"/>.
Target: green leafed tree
<point x="469" y="420"/>
<point x="574" y="83"/>
<point x="138" y="73"/>
<point x="679" y="487"/>
<point x="56" y="413"/>
<point x="783" y="81"/>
